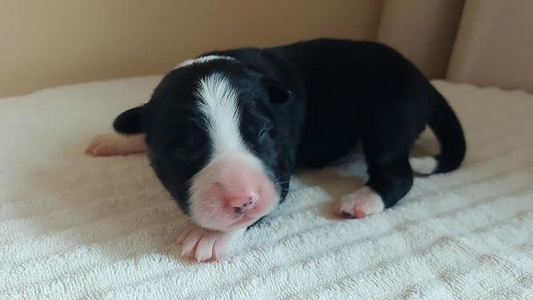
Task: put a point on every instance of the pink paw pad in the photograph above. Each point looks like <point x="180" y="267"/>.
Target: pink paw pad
<point x="203" y="244"/>
<point x="359" y="204"/>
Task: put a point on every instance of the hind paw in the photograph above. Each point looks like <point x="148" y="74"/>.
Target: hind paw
<point x="359" y="204"/>
<point x="114" y="144"/>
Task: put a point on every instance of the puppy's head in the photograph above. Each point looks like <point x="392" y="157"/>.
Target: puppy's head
<point x="215" y="141"/>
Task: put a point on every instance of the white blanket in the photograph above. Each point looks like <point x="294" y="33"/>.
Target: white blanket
<point x="73" y="226"/>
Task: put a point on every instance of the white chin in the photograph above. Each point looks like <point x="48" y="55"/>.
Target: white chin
<point x="227" y="226"/>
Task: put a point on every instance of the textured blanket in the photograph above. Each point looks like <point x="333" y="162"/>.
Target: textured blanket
<point x="77" y="227"/>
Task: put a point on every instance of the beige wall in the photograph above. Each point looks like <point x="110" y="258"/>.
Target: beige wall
<point x="54" y="42"/>
<point x="494" y="45"/>
<point x="422" y="30"/>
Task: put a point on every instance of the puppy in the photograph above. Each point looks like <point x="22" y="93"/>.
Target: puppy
<point x="226" y="131"/>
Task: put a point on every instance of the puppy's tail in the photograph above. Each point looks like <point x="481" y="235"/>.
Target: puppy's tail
<point x="446" y="126"/>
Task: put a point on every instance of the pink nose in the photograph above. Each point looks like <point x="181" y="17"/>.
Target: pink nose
<point x="243" y="202"/>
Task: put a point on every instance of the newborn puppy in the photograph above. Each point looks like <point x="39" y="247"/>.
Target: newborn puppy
<point x="226" y="131"/>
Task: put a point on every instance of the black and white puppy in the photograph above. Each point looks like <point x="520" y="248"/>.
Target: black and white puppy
<point x="226" y="131"/>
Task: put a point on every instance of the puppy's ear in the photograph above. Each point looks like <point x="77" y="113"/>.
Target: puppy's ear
<point x="277" y="92"/>
<point x="129" y="122"/>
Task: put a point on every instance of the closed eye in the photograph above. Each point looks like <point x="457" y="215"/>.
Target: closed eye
<point x="263" y="133"/>
<point x="266" y="133"/>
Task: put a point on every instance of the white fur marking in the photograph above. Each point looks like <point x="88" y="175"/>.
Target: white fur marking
<point x="201" y="60"/>
<point x="218" y="103"/>
<point x="423" y="165"/>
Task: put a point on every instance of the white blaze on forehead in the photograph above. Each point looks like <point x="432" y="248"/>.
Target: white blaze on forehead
<point x="233" y="170"/>
<point x="218" y="103"/>
<point x="201" y="60"/>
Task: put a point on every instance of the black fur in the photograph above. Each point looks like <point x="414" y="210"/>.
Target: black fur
<point x="304" y="105"/>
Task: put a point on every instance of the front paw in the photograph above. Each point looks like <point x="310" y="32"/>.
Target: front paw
<point x="114" y="144"/>
<point x="203" y="244"/>
<point x="359" y="204"/>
